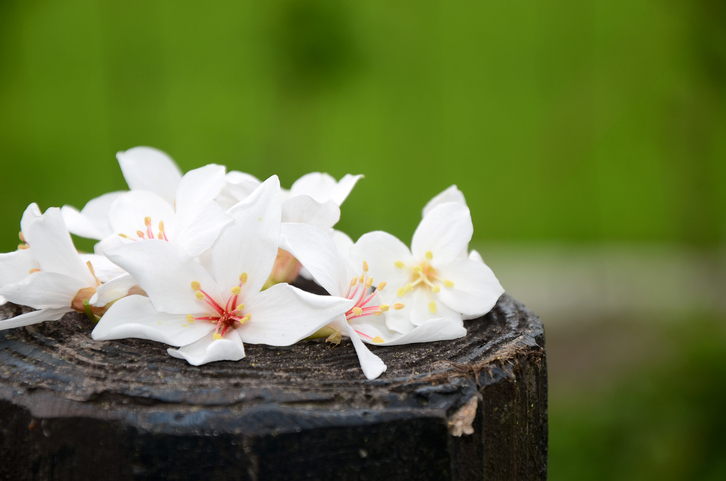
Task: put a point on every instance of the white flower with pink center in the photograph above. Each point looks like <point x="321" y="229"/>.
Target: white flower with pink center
<point x="331" y="264"/>
<point x="162" y="205"/>
<point x="211" y="306"/>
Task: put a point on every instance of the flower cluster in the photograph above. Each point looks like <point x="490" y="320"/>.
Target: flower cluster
<point x="202" y="262"/>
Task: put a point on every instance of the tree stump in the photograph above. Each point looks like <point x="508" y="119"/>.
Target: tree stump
<point x="72" y="408"/>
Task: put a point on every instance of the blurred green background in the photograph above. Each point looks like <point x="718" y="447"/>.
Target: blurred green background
<point x="578" y="124"/>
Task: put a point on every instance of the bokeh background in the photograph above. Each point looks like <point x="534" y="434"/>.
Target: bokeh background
<point x="589" y="137"/>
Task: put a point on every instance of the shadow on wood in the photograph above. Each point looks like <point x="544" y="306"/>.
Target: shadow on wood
<point x="72" y="408"/>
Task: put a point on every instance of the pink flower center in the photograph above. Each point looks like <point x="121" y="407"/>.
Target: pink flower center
<point x="149" y="233"/>
<point x="360" y="291"/>
<point x="227" y="317"/>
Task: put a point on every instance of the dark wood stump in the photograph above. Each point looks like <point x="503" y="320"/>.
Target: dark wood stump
<point x="72" y="408"/>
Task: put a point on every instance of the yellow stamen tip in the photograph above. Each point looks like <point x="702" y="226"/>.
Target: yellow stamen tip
<point x="22" y="247"/>
<point x="161" y="225"/>
<point x="147" y="221"/>
<point x="217" y="336"/>
<point x="200" y="296"/>
<point x="401" y="291"/>
<point x="241" y="307"/>
<point x="140" y="234"/>
<point x="365" y="266"/>
<point x="124" y="236"/>
<point x="353" y="281"/>
<point x="436" y="288"/>
<point x="20" y="236"/>
<point x="409" y="287"/>
<point x="235" y="290"/>
<point x="362" y="279"/>
<point x="384" y="307"/>
<point x="369" y="282"/>
<point x="432" y="307"/>
<point x="448" y="283"/>
<point x="190" y="318"/>
<point x="381" y="286"/>
<point x="246" y="319"/>
<point x="243" y="278"/>
<point x="33" y="271"/>
<point x="377" y="313"/>
<point x="400" y="264"/>
<point x="196" y="285"/>
<point x="398" y="306"/>
<point x="378" y="340"/>
<point x="418" y="269"/>
<point x="357" y="311"/>
<point x="429" y="255"/>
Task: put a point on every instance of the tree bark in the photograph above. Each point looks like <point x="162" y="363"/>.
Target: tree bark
<point x="475" y="408"/>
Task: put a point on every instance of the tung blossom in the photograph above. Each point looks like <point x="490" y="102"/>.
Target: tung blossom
<point x="58" y="282"/>
<point x="209" y="308"/>
<point x="434" y="278"/>
<point x="330" y="262"/>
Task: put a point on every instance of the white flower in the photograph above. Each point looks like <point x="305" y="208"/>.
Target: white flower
<point x="451" y="194"/>
<point x="193" y="220"/>
<point x="314" y="198"/>
<point x="329" y="262"/>
<point x="211" y="307"/>
<point x="60" y="282"/>
<point x="144" y="168"/>
<point x="433" y="279"/>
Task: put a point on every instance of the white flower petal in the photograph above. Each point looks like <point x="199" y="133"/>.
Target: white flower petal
<point x="342" y="241"/>
<point x="199" y="234"/>
<point x="31" y="213"/>
<point x="43" y="289"/>
<point x="344" y="187"/>
<point x="382" y="251"/>
<point x="92" y="221"/>
<point x="282" y="315"/>
<point x="305" y="209"/>
<point x="135" y="316"/>
<point x="16" y="265"/>
<point x="452" y="194"/>
<point x="113" y="290"/>
<point x="53" y="248"/>
<point x="205" y="350"/>
<point x="317" y="185"/>
<point x="249" y="243"/>
<point x="197" y="188"/>
<point x="430" y="331"/>
<point x="166" y="272"/>
<point x="97" y="211"/>
<point x="146" y="168"/>
<point x="445" y="231"/>
<point x="399" y="321"/>
<point x="316" y="251"/>
<point x="476" y="288"/>
<point x="35" y="317"/>
<point x="79" y="224"/>
<point x="128" y="213"/>
<point x="420" y="303"/>
<point x="371" y="364"/>
<point x="104" y="269"/>
<point x="238" y="186"/>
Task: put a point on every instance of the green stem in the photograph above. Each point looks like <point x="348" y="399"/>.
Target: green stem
<point x="89" y="313"/>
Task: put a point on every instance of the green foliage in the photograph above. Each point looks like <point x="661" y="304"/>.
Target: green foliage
<point x="563" y="119"/>
<point x="661" y="423"/>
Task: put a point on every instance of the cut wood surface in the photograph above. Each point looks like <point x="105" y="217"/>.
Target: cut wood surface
<point x="72" y="408"/>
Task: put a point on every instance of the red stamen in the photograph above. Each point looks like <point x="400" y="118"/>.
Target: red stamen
<point x="212" y="302"/>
